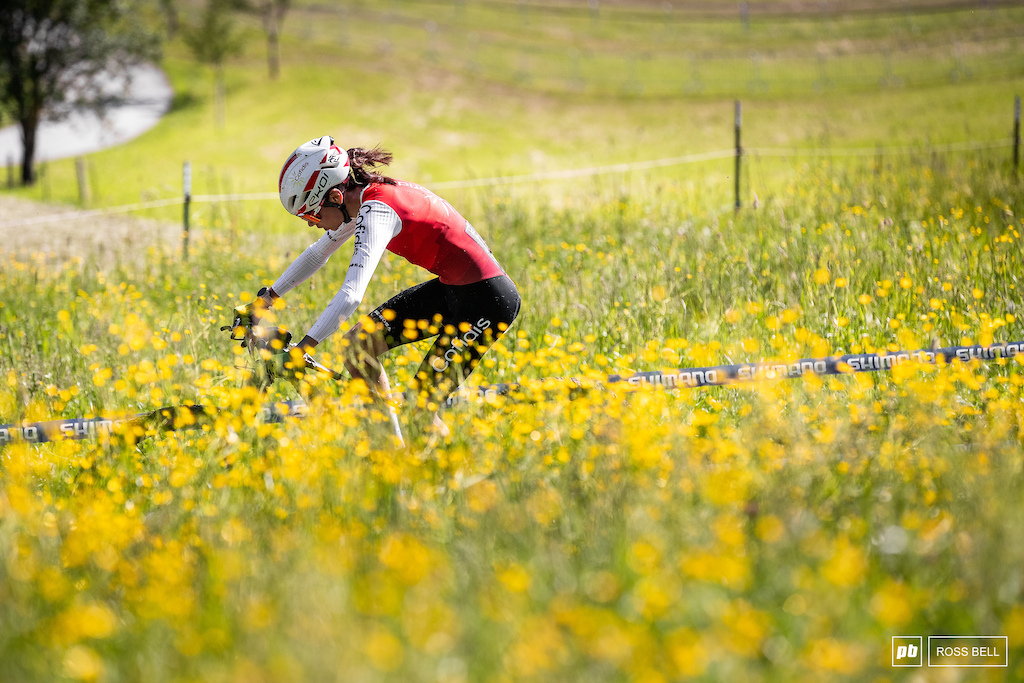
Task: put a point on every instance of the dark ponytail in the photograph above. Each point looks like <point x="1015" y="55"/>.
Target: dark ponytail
<point x="363" y="161"/>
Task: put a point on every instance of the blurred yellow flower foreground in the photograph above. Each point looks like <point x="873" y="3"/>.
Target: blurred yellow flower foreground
<point x="782" y="531"/>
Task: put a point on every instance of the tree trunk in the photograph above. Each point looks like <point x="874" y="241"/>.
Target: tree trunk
<point x="270" y="23"/>
<point x="29" y="124"/>
<point x="219" y="97"/>
<point x="273" y="61"/>
<point x="171" y="14"/>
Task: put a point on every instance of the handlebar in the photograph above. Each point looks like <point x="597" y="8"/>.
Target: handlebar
<point x="265" y="342"/>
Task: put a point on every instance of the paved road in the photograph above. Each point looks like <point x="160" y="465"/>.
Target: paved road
<point x="148" y="100"/>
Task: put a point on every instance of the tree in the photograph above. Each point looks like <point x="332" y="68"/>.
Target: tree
<point x="54" y="55"/>
<point x="271" y="13"/>
<point x="171" y="17"/>
<point x="212" y="41"/>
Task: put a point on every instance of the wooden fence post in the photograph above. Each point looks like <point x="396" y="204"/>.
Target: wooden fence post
<point x="739" y="150"/>
<point x="188" y="200"/>
<point x="83" y="181"/>
<point x="1016" y="135"/>
<point x="44" y="181"/>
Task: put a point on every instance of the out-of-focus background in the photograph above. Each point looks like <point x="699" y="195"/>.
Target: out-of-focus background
<point x="462" y="91"/>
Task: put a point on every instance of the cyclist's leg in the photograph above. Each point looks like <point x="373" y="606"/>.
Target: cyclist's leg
<point x="402" y="319"/>
<point x="480" y="315"/>
<point x="365" y="347"/>
<point x="407" y="317"/>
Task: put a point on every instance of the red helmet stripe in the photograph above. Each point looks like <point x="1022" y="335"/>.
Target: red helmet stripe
<point x="284" y="169"/>
<point x="312" y="181"/>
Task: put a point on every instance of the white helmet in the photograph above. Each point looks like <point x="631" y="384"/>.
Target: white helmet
<point x="312" y="170"/>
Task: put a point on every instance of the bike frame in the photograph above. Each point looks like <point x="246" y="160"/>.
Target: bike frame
<point x="262" y="342"/>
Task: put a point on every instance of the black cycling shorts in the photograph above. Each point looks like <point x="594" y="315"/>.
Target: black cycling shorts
<point x="466" y="319"/>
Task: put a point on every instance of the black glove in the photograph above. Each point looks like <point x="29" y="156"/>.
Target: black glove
<point x="251" y="313"/>
<point x="248" y="316"/>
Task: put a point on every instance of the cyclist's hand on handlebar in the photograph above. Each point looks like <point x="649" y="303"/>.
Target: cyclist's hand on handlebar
<point x="251" y="313"/>
<point x="248" y="316"/>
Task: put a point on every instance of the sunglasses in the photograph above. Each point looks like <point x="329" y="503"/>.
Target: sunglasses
<point x="315" y="218"/>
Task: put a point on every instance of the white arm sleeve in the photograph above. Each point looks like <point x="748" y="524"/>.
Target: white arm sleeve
<point x="376" y="225"/>
<point x="313" y="258"/>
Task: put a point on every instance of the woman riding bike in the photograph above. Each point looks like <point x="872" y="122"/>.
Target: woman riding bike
<point x="468" y="305"/>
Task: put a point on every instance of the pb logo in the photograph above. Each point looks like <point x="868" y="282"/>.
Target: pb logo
<point x="907" y="651"/>
<point x="904" y="651"/>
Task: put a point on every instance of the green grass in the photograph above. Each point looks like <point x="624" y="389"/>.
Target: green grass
<point x="447" y="123"/>
<point x="777" y="532"/>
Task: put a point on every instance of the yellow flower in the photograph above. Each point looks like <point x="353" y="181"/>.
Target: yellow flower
<point x="728" y="529"/>
<point x="828" y="654"/>
<point x="384" y="650"/>
<point x="847" y="566"/>
<point x="514" y="578"/>
<point x="726" y="569"/>
<point x="769" y="529"/>
<point x="644" y="557"/>
<point x="83" y="664"/>
<point x="746" y="628"/>
<point x="539" y="647"/>
<point x="891" y="604"/>
<point x="409" y="559"/>
<point x="687" y="651"/>
<point x="545" y="505"/>
<point x="482" y="496"/>
<point x="1013" y="626"/>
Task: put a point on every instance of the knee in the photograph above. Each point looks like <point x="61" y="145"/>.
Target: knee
<point x="363" y="345"/>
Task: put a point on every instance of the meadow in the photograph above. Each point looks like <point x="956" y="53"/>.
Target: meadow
<point x="778" y="531"/>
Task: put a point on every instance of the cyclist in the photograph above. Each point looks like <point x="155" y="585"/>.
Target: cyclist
<point x="469" y="303"/>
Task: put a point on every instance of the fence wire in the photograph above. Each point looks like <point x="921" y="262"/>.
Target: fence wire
<point x="567" y="174"/>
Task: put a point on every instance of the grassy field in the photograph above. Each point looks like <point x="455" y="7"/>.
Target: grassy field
<point x="780" y="531"/>
<point x="396" y="75"/>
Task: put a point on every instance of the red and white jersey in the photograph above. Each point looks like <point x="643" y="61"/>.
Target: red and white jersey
<point x="407" y="220"/>
<point x="433" y="234"/>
